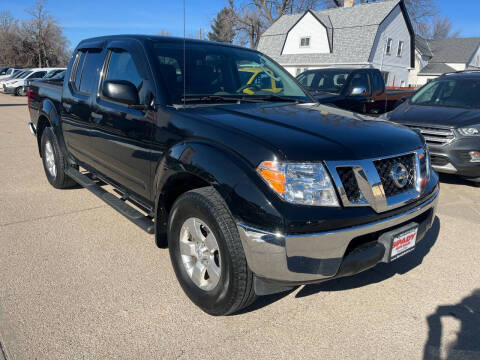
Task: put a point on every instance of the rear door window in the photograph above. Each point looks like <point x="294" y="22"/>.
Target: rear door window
<point x="37" y="75"/>
<point x="90" y="72"/>
<point x="76" y="75"/>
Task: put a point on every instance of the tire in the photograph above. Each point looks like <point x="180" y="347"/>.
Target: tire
<point x="17" y="91"/>
<point x="54" y="162"/>
<point x="205" y="211"/>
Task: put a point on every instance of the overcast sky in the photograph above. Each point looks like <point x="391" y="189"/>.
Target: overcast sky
<point x="87" y="18"/>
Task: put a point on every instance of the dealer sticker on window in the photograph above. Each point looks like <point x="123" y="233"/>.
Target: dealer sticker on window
<point x="403" y="243"/>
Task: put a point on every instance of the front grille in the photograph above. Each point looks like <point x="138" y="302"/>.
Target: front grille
<point x="350" y="184"/>
<point x="384" y="168"/>
<point x="438" y="160"/>
<point x="435" y="136"/>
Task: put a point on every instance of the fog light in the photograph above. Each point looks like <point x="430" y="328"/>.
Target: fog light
<point x="474" y="156"/>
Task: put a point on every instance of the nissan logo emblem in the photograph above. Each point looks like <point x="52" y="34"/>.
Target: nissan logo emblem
<point x="399" y="175"/>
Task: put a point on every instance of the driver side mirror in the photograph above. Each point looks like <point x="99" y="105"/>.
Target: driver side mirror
<point x="121" y="91"/>
<point x="358" y="91"/>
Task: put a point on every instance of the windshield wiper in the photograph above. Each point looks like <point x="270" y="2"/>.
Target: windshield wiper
<point x="274" y="97"/>
<point x="214" y="98"/>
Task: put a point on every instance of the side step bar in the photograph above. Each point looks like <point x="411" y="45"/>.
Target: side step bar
<point x="135" y="216"/>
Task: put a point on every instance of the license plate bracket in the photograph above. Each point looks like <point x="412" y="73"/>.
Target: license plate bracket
<point x="399" y="242"/>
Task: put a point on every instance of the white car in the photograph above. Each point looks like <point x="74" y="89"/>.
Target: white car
<point x="15" y="86"/>
<point x="10" y="73"/>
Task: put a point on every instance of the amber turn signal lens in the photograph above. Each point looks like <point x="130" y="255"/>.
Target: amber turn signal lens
<point x="270" y="172"/>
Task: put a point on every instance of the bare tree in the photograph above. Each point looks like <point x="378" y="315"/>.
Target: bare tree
<point x="253" y="17"/>
<point x="442" y="28"/>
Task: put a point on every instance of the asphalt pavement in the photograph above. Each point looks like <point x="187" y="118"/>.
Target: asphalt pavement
<point x="78" y="281"/>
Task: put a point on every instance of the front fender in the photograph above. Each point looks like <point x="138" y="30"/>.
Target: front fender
<point x="230" y="175"/>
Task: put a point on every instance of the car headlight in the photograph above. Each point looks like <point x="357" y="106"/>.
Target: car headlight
<point x="299" y="183"/>
<point x="473" y="130"/>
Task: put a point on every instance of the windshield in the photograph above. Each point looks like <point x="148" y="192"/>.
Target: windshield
<point x="326" y="81"/>
<point x="461" y="93"/>
<point x="221" y="72"/>
<point x="17" y="74"/>
<point x="52" y="74"/>
<point x="58" y="76"/>
<point x="24" y="75"/>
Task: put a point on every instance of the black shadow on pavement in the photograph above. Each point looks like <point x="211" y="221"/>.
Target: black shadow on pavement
<point x="467" y="344"/>
<point x="13" y="105"/>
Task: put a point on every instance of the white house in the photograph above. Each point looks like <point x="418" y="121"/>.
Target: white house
<point x="436" y="57"/>
<point x="376" y="34"/>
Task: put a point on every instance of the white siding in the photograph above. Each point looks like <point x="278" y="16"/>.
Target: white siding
<point x="475" y="61"/>
<point x="420" y="62"/>
<point x="457" y="66"/>
<point x="308" y="26"/>
<point x="394" y="27"/>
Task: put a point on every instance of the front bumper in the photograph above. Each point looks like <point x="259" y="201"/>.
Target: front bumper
<point x="8" y="90"/>
<point x="307" y="258"/>
<point x="454" y="158"/>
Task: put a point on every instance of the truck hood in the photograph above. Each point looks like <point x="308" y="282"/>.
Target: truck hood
<point x="408" y="113"/>
<point x="312" y="132"/>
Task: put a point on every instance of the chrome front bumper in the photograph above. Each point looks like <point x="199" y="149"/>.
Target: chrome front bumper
<point x="312" y="257"/>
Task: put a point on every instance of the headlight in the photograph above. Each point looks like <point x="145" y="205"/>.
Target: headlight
<point x="473" y="130"/>
<point x="299" y="183"/>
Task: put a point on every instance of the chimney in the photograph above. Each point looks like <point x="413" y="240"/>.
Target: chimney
<point x="348" y="3"/>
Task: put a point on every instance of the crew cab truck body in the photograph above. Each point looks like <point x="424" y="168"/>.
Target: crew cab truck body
<point x="252" y="193"/>
<point x="359" y="90"/>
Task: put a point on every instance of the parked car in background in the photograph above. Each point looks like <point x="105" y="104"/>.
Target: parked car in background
<point x="10" y="73"/>
<point x="359" y="90"/>
<point x="3" y="70"/>
<point x="54" y="76"/>
<point x="15" y="75"/>
<point x="252" y="193"/>
<point x="15" y="86"/>
<point x="447" y="113"/>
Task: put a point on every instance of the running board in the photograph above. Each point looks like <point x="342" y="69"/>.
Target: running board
<point x="135" y="216"/>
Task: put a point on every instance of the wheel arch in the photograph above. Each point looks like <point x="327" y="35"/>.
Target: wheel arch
<point x="189" y="166"/>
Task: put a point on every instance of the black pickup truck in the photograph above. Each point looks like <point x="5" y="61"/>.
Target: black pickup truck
<point x="359" y="90"/>
<point x="253" y="192"/>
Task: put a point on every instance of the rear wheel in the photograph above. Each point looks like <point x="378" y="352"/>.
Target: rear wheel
<point x="18" y="91"/>
<point x="54" y="162"/>
<point x="207" y="254"/>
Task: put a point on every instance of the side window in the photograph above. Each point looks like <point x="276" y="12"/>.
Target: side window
<point x="91" y="69"/>
<point x="307" y="79"/>
<point x="122" y="67"/>
<point x="76" y="75"/>
<point x="38" y="75"/>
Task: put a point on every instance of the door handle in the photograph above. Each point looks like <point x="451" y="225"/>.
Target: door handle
<point x="96" y="116"/>
<point x="370" y="100"/>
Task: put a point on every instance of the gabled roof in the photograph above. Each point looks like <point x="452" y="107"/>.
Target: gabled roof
<point x="436" y="69"/>
<point x="422" y="46"/>
<point x="453" y="50"/>
<point x="352" y="34"/>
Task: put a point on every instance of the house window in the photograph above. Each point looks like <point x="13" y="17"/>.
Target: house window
<point x="385" y="77"/>
<point x="400" y="48"/>
<point x="388" y="49"/>
<point x="305" y="42"/>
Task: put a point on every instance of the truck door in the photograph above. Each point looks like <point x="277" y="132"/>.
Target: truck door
<point x="76" y="102"/>
<point x="122" y="135"/>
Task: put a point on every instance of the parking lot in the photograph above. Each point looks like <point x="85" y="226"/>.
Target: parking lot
<point x="78" y="281"/>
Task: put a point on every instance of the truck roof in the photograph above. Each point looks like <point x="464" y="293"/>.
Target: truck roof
<point x="144" y="38"/>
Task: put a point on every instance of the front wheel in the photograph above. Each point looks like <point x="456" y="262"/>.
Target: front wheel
<point x="207" y="254"/>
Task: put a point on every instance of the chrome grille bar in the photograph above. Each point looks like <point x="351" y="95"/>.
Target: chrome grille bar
<point x="435" y="135"/>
